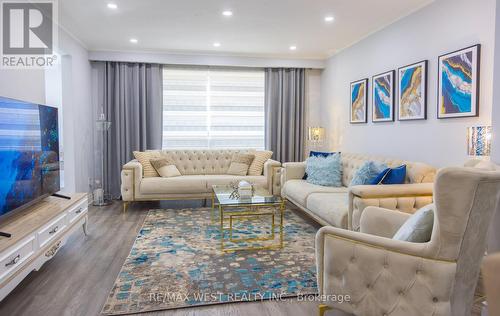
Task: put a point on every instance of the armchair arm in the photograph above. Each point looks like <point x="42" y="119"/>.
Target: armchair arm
<point x="292" y="170"/>
<point x="269" y="172"/>
<point x="381" y="222"/>
<point x="371" y="269"/>
<point x="392" y="190"/>
<point x="403" y="197"/>
<point x="131" y="176"/>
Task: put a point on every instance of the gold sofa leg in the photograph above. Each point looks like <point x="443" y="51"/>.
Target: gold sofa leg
<point x="125" y="206"/>
<point x="322" y="308"/>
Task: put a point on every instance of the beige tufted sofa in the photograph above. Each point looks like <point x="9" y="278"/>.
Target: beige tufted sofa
<point x="342" y="206"/>
<point x="383" y="276"/>
<point x="200" y="169"/>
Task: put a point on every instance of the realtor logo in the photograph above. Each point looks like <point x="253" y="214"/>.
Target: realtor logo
<point x="28" y="33"/>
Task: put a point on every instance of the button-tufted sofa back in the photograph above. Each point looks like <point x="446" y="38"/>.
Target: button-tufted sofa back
<point x="417" y="172"/>
<point x="201" y="162"/>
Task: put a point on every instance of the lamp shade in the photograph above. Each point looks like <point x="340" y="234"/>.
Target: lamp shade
<point x="316" y="134"/>
<point x="479" y="140"/>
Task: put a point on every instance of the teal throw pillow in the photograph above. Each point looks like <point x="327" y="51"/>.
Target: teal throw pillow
<point x="326" y="171"/>
<point x="367" y="173"/>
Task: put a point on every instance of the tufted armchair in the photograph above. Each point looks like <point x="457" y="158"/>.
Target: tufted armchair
<point x="383" y="276"/>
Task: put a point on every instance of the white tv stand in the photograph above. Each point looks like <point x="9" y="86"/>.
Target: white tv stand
<point x="38" y="232"/>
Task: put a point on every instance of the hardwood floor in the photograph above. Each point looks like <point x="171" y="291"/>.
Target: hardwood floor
<point x="78" y="279"/>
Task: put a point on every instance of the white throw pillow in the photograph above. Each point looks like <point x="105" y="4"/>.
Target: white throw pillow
<point x="165" y="168"/>
<point x="418" y="227"/>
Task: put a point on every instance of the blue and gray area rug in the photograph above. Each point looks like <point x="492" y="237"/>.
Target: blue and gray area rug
<point x="176" y="262"/>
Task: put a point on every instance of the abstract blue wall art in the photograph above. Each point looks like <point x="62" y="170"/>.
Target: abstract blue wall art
<point x="383" y="97"/>
<point x="458" y="87"/>
<point x="412" y="92"/>
<point x="359" y="101"/>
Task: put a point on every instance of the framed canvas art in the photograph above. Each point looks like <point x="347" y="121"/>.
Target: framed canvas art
<point x="359" y="101"/>
<point x="383" y="97"/>
<point x="412" y="92"/>
<point x="458" y="83"/>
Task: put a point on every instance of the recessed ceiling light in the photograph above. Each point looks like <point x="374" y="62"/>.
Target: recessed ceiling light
<point x="216" y="44"/>
<point x="133" y="40"/>
<point x="293" y="47"/>
<point x="329" y="18"/>
<point x="112" y="6"/>
<point x="227" y="13"/>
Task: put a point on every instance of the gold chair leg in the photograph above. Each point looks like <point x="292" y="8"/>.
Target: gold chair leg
<point x="322" y="308"/>
<point x="125" y="206"/>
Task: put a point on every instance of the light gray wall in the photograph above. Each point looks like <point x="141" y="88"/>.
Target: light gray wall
<point x="78" y="114"/>
<point x="27" y="85"/>
<point x="494" y="241"/>
<point x="441" y="27"/>
<point x="313" y="104"/>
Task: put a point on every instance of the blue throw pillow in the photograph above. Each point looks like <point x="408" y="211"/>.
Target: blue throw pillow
<point x="313" y="153"/>
<point x="367" y="173"/>
<point x="391" y="176"/>
<point x="325" y="171"/>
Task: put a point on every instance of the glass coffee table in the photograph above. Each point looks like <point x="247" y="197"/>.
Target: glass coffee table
<point x="232" y="208"/>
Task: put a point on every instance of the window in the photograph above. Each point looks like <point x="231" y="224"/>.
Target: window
<point x="213" y="108"/>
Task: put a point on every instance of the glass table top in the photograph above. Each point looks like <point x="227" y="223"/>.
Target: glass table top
<point x="260" y="196"/>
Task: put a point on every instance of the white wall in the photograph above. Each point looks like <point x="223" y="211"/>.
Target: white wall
<point x="441" y="27"/>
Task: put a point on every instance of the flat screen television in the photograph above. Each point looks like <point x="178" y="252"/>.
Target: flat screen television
<point x="29" y="154"/>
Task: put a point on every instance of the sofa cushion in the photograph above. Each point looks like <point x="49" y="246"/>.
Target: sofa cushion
<point x="331" y="207"/>
<point x="258" y="162"/>
<point x="299" y="190"/>
<point x="391" y="176"/>
<point x="225" y="179"/>
<point x="165" y="168"/>
<point x="367" y="172"/>
<point x="176" y="185"/>
<point x="325" y="171"/>
<point x="240" y="164"/>
<point x="417" y="228"/>
<point x="144" y="157"/>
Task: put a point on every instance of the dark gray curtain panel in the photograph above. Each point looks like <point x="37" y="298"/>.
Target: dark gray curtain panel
<point x="132" y="101"/>
<point x="285" y="111"/>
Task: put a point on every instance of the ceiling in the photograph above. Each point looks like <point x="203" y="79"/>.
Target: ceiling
<point x="257" y="28"/>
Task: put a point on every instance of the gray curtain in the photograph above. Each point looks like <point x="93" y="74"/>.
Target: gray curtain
<point x="285" y="103"/>
<point x="132" y="101"/>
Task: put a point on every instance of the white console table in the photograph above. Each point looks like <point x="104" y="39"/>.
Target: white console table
<point x="38" y="232"/>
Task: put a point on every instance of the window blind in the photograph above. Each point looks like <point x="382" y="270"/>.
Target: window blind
<point x="213" y="108"/>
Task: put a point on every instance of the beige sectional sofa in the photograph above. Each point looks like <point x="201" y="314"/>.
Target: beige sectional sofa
<point x="200" y="169"/>
<point x="342" y="206"/>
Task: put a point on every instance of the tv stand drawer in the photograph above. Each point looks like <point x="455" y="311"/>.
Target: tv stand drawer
<point x="51" y="231"/>
<point x="77" y="211"/>
<point x="10" y="262"/>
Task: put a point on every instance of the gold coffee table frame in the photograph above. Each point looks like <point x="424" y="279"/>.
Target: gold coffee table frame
<point x="260" y="205"/>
